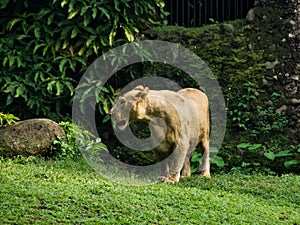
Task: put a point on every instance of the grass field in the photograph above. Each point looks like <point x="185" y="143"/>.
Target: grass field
<point x="69" y="192"/>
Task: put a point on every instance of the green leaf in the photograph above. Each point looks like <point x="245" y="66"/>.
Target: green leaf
<point x="37" y="47"/>
<point x="50" y="85"/>
<point x="270" y="155"/>
<point x="37" y="33"/>
<point x="50" y="19"/>
<point x="58" y="88"/>
<point x="12" y="23"/>
<point x="291" y="163"/>
<point x="116" y="2"/>
<point x="74" y="32"/>
<point x="63" y="3"/>
<point x="106" y="118"/>
<point x="45" y="50"/>
<point x="244" y="164"/>
<point x="21" y="37"/>
<point x="20" y="91"/>
<point x="86" y="19"/>
<point x="104" y="41"/>
<point x="243" y="145"/>
<point x="196" y="157"/>
<point x="20" y="62"/>
<point x="3" y="4"/>
<point x="94" y="13"/>
<point x="219" y="161"/>
<point x="66" y="44"/>
<point x="9" y="100"/>
<point x="72" y="65"/>
<point x="104" y="11"/>
<point x="57" y="46"/>
<point x="70" y="87"/>
<point x="95" y="48"/>
<point x="5" y="61"/>
<point x="73" y="14"/>
<point x="105" y="106"/>
<point x="128" y="33"/>
<point x="254" y="147"/>
<point x="160" y="3"/>
<point x="62" y="65"/>
<point x="81" y="60"/>
<point x="84" y="9"/>
<point x="283" y="153"/>
<point x="11" y="60"/>
<point x="90" y="40"/>
<point x="81" y="51"/>
<point x="111" y="37"/>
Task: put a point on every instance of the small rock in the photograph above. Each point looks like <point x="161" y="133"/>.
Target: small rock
<point x="281" y="109"/>
<point x="250" y="15"/>
<point x="229" y="28"/>
<point x="292" y="22"/>
<point x="295" y="101"/>
<point x="29" y="137"/>
<point x="271" y="65"/>
<point x="265" y="82"/>
<point x="291" y="35"/>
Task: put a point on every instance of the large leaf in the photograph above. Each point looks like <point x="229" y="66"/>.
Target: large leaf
<point x="291" y="163"/>
<point x="12" y="23"/>
<point x="283" y="153"/>
<point x="219" y="161"/>
<point x="270" y="155"/>
<point x="73" y="14"/>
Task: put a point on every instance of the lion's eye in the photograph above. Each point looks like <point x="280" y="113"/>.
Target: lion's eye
<point x="122" y="102"/>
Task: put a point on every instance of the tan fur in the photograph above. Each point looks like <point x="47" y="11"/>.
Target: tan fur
<point x="186" y="114"/>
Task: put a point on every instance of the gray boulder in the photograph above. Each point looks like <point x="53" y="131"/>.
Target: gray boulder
<point x="29" y="137"/>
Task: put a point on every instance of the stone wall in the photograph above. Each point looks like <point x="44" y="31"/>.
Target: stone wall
<point x="284" y="77"/>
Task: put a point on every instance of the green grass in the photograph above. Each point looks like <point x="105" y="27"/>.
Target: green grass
<point x="69" y="192"/>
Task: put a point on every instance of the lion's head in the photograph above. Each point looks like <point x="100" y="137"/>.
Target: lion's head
<point x="128" y="107"/>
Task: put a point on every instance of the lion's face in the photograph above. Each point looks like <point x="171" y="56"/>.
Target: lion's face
<point x="126" y="107"/>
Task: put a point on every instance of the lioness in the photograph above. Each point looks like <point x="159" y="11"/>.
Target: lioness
<point x="186" y="116"/>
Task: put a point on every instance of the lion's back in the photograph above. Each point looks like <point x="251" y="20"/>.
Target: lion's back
<point x="200" y="103"/>
<point x="196" y="96"/>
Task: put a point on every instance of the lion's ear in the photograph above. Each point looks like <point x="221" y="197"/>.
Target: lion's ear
<point x="139" y="88"/>
<point x="144" y="92"/>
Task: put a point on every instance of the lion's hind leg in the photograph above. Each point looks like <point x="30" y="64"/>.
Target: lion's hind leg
<point x="205" y="164"/>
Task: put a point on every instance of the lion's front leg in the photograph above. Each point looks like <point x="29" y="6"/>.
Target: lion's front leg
<point x="186" y="170"/>
<point x="164" y="171"/>
<point x="176" y="162"/>
<point x="162" y="157"/>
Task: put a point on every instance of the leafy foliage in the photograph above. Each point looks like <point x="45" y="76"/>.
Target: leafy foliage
<point x="77" y="141"/>
<point x="45" y="47"/>
<point x="7" y="119"/>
